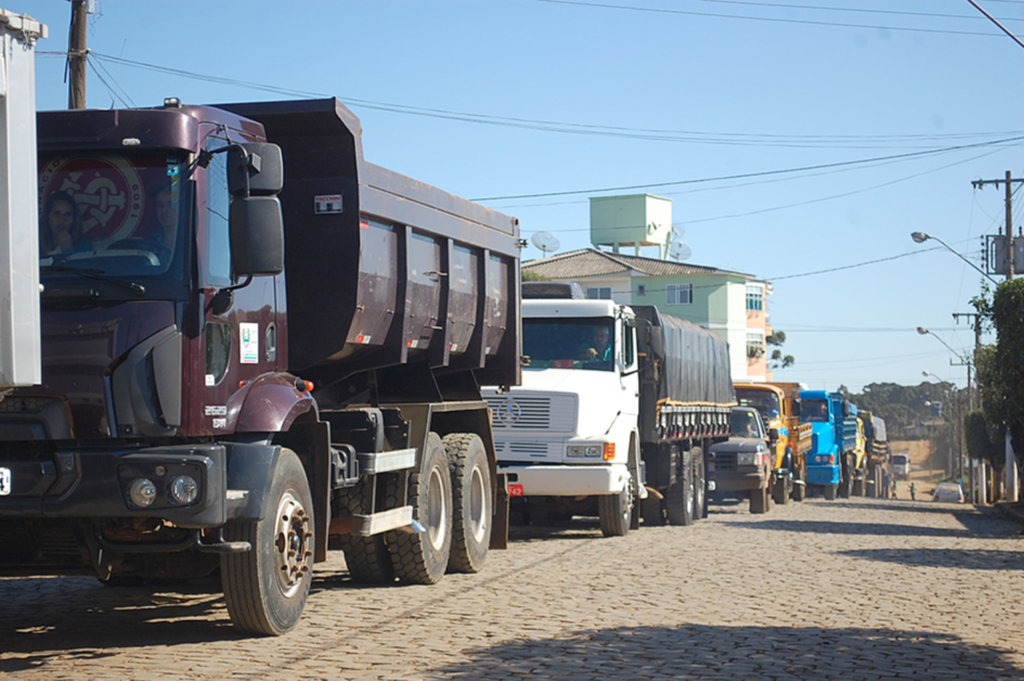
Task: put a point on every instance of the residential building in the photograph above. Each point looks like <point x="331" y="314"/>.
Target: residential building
<point x="733" y="304"/>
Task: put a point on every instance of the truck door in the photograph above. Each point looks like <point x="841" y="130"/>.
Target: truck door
<point x="240" y="330"/>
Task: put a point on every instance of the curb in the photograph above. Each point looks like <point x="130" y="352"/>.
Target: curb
<point x="1013" y="511"/>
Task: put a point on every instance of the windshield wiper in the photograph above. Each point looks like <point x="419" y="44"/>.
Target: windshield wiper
<point x="96" y="275"/>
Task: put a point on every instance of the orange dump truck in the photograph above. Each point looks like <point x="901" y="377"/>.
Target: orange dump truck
<point x="779" y="405"/>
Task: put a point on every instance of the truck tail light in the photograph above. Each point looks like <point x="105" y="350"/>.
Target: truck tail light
<point x="609" y="451"/>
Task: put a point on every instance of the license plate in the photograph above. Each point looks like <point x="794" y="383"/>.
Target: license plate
<point x="515" y="490"/>
<point x="5" y="482"/>
<point x="711" y="485"/>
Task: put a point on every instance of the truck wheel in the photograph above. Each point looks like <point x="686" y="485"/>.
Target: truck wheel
<point x="471" y="501"/>
<point x="800" y="491"/>
<point x="422" y="557"/>
<point x="615" y="511"/>
<point x="829" y="491"/>
<point x="858" y="488"/>
<point x="700" y="486"/>
<point x="652" y="511"/>
<point x="266" y="588"/>
<point x="679" y="497"/>
<point x="845" y="481"/>
<point x="367" y="558"/>
<point x="760" y="499"/>
<point x="780" y="493"/>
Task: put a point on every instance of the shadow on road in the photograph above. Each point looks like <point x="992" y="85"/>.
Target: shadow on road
<point x="828" y="527"/>
<point x="697" y="651"/>
<point x="953" y="558"/>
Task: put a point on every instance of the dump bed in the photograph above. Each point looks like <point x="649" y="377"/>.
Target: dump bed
<point x="682" y="365"/>
<point x="384" y="270"/>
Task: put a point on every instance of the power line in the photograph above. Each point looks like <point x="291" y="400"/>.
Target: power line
<point x="859" y="10"/>
<point x="778" y="20"/>
<point x="764" y="173"/>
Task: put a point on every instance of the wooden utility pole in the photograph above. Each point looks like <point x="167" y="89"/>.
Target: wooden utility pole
<point x="1010" y="255"/>
<point x="76" y="55"/>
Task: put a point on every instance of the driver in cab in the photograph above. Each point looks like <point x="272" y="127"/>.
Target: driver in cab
<point x="600" y="349"/>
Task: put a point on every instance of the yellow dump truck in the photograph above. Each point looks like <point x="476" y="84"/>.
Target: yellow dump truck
<point x="779" y="406"/>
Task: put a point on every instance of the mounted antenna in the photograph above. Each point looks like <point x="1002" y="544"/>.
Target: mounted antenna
<point x="546" y="242"/>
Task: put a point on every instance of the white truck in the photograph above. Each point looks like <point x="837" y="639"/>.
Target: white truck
<point x="618" y="405"/>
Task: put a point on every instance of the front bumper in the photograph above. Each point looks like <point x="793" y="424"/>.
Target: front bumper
<point x="822" y="475"/>
<point x="89" y="483"/>
<point x="740" y="479"/>
<point x="565" y="481"/>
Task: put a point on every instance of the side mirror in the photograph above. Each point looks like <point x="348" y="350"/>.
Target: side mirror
<point x="257" y="235"/>
<point x="796" y="407"/>
<point x="773" y="435"/>
<point x="255" y="169"/>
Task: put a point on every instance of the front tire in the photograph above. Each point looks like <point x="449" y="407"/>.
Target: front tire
<point x="266" y="587"/>
<point x="471" y="501"/>
<point x="422" y="557"/>
<point x="760" y="500"/>
<point x="830" y="492"/>
<point x="700" y="485"/>
<point x="615" y="511"/>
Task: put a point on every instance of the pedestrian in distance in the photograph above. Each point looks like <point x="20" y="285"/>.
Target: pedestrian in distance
<point x="894" y="489"/>
<point x="913" y="492"/>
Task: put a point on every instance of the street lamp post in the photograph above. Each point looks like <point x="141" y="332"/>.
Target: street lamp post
<point x="921" y="237"/>
<point x="956" y="466"/>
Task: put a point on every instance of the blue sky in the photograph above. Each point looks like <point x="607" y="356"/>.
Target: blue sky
<point x="584" y="96"/>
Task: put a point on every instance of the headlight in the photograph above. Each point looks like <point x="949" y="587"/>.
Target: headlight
<point x="587" y="451"/>
<point x="746" y="459"/>
<point x="184" y="489"/>
<point x="142" y="492"/>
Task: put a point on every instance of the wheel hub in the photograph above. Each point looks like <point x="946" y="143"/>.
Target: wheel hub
<point x="293" y="545"/>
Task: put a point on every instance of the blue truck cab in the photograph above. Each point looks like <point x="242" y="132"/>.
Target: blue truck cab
<point x="834" y="435"/>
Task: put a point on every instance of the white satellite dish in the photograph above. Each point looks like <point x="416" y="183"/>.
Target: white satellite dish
<point x="677" y="250"/>
<point x="546" y="241"/>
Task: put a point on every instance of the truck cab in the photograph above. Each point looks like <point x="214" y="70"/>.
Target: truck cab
<point x="743" y="465"/>
<point x="567" y="438"/>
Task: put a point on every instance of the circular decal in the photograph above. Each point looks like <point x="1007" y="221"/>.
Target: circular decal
<point x="509" y="411"/>
<point x="107" y="189"/>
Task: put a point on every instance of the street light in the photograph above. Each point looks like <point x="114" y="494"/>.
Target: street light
<point x="949" y="388"/>
<point x="925" y="332"/>
<point x="921" y="237"/>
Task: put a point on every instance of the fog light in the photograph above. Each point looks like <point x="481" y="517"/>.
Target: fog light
<point x="142" y="492"/>
<point x="184" y="489"/>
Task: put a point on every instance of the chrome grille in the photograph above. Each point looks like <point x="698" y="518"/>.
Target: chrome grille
<point x="550" y="413"/>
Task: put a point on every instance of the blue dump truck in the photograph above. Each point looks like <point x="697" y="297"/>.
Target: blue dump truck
<point x="831" y="461"/>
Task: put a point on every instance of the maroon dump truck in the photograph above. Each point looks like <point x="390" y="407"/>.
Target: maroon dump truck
<point x="256" y="347"/>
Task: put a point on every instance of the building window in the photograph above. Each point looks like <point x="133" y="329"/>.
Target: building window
<point x="755" y="297"/>
<point x="679" y="294"/>
<point x="599" y="293"/>
<point x="755" y="345"/>
<point x="641" y="290"/>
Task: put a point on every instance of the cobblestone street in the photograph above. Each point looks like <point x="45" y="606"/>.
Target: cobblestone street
<point x="855" y="589"/>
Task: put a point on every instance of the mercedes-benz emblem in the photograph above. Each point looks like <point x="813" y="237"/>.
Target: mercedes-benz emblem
<point x="509" y="411"/>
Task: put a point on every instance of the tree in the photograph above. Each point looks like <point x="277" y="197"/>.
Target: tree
<point x="777" y="360"/>
<point x="530" y="275"/>
<point x="1003" y="374"/>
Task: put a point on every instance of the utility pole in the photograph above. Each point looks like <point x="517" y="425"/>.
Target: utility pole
<point x="76" y="55"/>
<point x="1010" y="479"/>
<point x="977" y="346"/>
<point x="978" y="184"/>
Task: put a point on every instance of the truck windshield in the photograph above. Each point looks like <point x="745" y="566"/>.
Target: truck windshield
<point x="814" y="410"/>
<point x="119" y="214"/>
<point x="569" y="344"/>
<point x="743" y="423"/>
<point x="765" y="401"/>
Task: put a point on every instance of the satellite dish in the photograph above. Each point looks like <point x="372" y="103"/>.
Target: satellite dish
<point x="546" y="242"/>
<point x="677" y="250"/>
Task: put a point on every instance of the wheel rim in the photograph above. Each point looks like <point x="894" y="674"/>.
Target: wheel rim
<point x="292" y="545"/>
<point x="478" y="504"/>
<point x="437" y="512"/>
